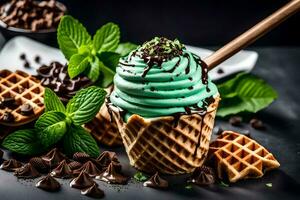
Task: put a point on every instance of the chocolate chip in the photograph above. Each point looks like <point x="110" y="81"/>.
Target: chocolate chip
<point x="8" y="102"/>
<point x="235" y="120"/>
<point x="26" y="64"/>
<point x="220" y="71"/>
<point x="37" y="59"/>
<point x="257" y="124"/>
<point x="8" y="117"/>
<point x="23" y="56"/>
<point x="218" y="130"/>
<point x="26" y="109"/>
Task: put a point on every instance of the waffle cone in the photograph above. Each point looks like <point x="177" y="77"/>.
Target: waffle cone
<point x="158" y="145"/>
<point x="103" y="129"/>
<point x="236" y="157"/>
<point x="25" y="89"/>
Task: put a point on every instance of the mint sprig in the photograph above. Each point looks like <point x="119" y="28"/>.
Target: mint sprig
<point x="244" y="93"/>
<point x="61" y="124"/>
<point x="97" y="58"/>
<point x="139" y="176"/>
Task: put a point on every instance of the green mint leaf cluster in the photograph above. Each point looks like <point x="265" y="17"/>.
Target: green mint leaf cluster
<point x="60" y="123"/>
<point x="95" y="57"/>
<point x="244" y="93"/>
<point x="139" y="176"/>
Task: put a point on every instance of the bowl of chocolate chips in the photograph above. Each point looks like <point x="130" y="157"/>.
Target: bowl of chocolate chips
<point x="34" y="19"/>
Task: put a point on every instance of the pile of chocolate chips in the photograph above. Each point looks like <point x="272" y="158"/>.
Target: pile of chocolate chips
<point x="81" y="168"/>
<point x="32" y="15"/>
<point x="55" y="76"/>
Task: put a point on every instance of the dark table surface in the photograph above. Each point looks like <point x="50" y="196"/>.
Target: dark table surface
<point x="280" y="68"/>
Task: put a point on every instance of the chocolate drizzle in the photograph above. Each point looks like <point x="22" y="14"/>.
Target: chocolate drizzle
<point x="48" y="183"/>
<point x="11" y="165"/>
<point x="203" y="176"/>
<point x="27" y="172"/>
<point x="82" y="181"/>
<point x="175" y="66"/>
<point x="55" y="76"/>
<point x="62" y="171"/>
<point x="112" y="175"/>
<point x="156" y="182"/>
<point x="204" y="71"/>
<point x="94" y="191"/>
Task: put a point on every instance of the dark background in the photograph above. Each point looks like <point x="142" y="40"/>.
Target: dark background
<point x="196" y="22"/>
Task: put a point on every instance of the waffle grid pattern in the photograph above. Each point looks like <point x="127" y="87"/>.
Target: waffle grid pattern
<point x="239" y="157"/>
<point x="103" y="129"/>
<point x="156" y="145"/>
<point x="24" y="89"/>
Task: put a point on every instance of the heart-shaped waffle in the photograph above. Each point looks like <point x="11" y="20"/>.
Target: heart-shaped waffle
<point x="25" y="94"/>
<point x="236" y="157"/>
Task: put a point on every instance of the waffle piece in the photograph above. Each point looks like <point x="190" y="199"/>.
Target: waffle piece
<point x="157" y="145"/>
<point x="236" y="157"/>
<point x="25" y="90"/>
<point x="104" y="130"/>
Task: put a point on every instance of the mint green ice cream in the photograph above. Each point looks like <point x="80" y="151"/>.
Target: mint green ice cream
<point x="162" y="78"/>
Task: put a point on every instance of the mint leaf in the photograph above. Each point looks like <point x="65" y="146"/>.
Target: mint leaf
<point x="51" y="127"/>
<point x="78" y="63"/>
<point x="23" y="142"/>
<point x="79" y="140"/>
<point x="94" y="70"/>
<point x="52" y="101"/>
<point x="110" y="60"/>
<point x="244" y="93"/>
<point x="107" y="38"/>
<point x="85" y="104"/>
<point x="71" y="35"/>
<point x="139" y="176"/>
<point x="223" y="184"/>
<point x="125" y="48"/>
<point x="106" y="76"/>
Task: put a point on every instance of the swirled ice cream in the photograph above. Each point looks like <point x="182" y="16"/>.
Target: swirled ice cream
<point x="162" y="78"/>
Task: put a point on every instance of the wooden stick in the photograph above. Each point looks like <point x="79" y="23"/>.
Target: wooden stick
<point x="252" y="34"/>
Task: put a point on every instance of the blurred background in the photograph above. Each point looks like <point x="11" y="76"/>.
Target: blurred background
<point x="200" y="23"/>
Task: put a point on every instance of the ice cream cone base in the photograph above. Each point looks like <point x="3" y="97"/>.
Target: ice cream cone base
<point x="166" y="144"/>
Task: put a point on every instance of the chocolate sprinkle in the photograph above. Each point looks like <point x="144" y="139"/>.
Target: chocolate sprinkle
<point x="82" y="181"/>
<point x="48" y="183"/>
<point x="11" y="165"/>
<point x="94" y="191"/>
<point x="156" y="182"/>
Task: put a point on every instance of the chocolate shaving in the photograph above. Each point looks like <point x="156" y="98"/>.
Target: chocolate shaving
<point x="156" y="181"/>
<point x="82" y="181"/>
<point x="11" y="165"/>
<point x="27" y="172"/>
<point x="48" y="183"/>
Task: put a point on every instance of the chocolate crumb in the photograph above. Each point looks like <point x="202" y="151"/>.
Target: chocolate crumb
<point x="257" y="124"/>
<point x="37" y="59"/>
<point x="220" y="71"/>
<point x="26" y="64"/>
<point x="235" y="120"/>
<point x="23" y="56"/>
